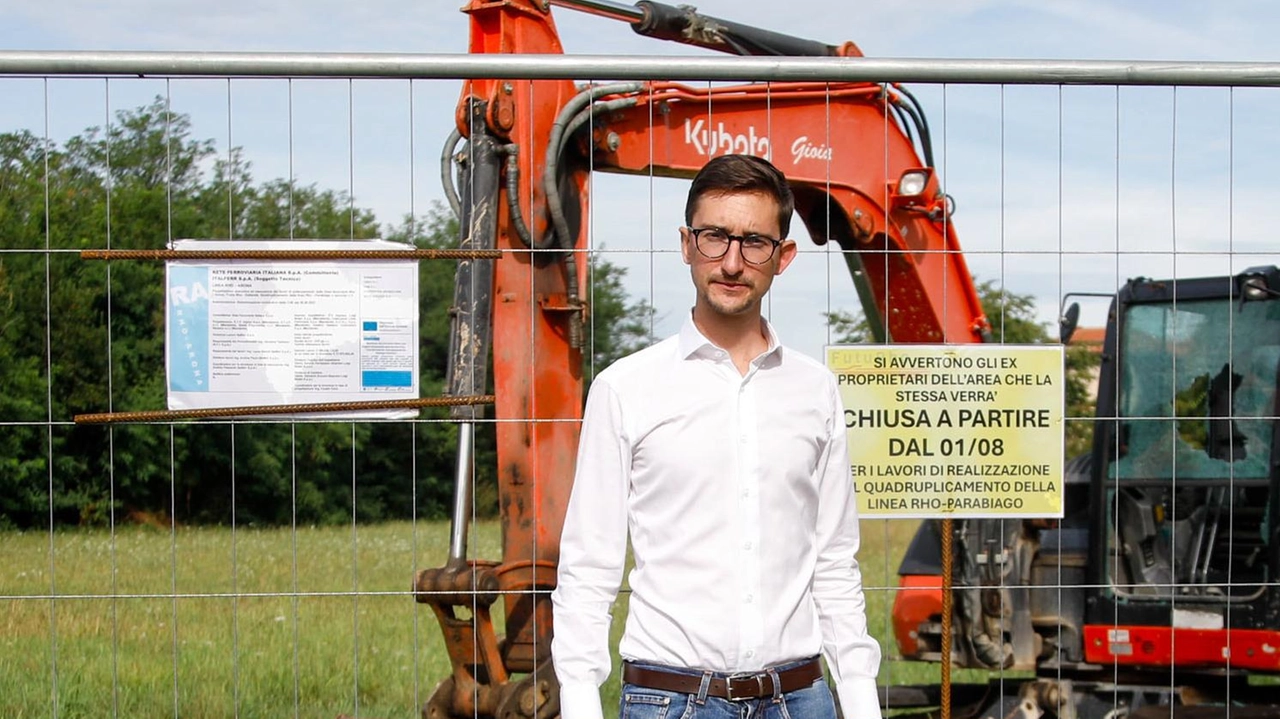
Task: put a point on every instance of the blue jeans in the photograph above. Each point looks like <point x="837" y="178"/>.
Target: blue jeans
<point x="812" y="702"/>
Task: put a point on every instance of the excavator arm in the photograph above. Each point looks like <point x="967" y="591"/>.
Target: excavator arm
<point x="857" y="179"/>
<point x="523" y="153"/>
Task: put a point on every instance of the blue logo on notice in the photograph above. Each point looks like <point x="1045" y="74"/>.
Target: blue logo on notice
<point x="187" y="344"/>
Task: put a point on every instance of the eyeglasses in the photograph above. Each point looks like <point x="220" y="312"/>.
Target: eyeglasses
<point x="714" y="242"/>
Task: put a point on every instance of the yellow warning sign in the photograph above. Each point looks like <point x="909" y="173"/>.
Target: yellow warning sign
<point x="953" y="430"/>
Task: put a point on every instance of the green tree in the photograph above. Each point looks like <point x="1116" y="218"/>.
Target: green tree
<point x="619" y="325"/>
<point x="80" y="336"/>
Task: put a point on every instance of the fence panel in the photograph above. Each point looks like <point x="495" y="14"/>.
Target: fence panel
<point x="259" y="567"/>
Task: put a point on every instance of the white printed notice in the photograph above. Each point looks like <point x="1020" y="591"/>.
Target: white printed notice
<point x="254" y="332"/>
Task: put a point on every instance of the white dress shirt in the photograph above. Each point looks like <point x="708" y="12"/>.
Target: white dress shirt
<point x="737" y="495"/>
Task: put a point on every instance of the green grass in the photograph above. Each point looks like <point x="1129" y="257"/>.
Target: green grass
<point x="204" y="622"/>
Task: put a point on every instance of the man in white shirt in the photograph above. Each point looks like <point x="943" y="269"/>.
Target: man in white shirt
<point x="722" y="454"/>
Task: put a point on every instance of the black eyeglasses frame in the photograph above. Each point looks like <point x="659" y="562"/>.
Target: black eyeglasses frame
<point x="697" y="232"/>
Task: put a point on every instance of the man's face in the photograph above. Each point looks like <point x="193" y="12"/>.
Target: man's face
<point x="731" y="286"/>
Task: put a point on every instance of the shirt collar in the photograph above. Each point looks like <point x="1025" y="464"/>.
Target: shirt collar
<point x="693" y="342"/>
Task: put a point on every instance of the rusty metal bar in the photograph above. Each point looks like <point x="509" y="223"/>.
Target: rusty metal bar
<point x="419" y="254"/>
<point x="947" y="555"/>
<point x="274" y="409"/>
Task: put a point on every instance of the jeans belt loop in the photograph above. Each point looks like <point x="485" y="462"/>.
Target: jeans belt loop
<point x="703" y="688"/>
<point x="777" y="685"/>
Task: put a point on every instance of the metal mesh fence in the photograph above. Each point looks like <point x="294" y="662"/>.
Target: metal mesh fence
<point x="255" y="567"/>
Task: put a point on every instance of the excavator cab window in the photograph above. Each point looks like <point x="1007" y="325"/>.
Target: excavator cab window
<point x="1190" y="481"/>
<point x="1198" y="390"/>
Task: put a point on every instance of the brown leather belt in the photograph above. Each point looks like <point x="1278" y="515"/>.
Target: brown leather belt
<point x="734" y="687"/>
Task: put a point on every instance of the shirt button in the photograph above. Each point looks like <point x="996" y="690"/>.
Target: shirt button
<point x="750" y="653"/>
<point x="750" y="598"/>
<point x="746" y="545"/>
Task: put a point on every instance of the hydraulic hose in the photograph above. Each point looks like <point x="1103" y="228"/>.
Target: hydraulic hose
<point x="921" y="122"/>
<point x="555" y="147"/>
<point x="512" y="152"/>
<point x="572" y="116"/>
<point x="446" y="171"/>
<point x="596" y="108"/>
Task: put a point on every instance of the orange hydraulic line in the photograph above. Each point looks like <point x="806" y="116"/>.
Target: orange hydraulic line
<point x="777" y="91"/>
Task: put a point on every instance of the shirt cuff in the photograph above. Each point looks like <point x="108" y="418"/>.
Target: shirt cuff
<point x="859" y="698"/>
<point x="580" y="700"/>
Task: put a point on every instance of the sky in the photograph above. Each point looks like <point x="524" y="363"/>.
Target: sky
<point x="1057" y="190"/>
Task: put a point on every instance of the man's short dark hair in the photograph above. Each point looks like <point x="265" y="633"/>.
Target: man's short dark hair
<point x="742" y="173"/>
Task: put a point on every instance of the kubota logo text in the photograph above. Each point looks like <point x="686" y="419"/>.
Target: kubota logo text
<point x="719" y="141"/>
<point x="710" y="141"/>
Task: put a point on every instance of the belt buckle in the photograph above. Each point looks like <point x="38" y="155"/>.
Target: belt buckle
<point x="759" y="678"/>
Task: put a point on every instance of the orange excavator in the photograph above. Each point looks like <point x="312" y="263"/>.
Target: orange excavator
<point x="859" y="159"/>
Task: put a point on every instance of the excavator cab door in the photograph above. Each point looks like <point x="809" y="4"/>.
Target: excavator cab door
<point x="1186" y="464"/>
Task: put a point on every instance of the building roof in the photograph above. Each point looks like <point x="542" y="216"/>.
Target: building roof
<point x="1090" y="336"/>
